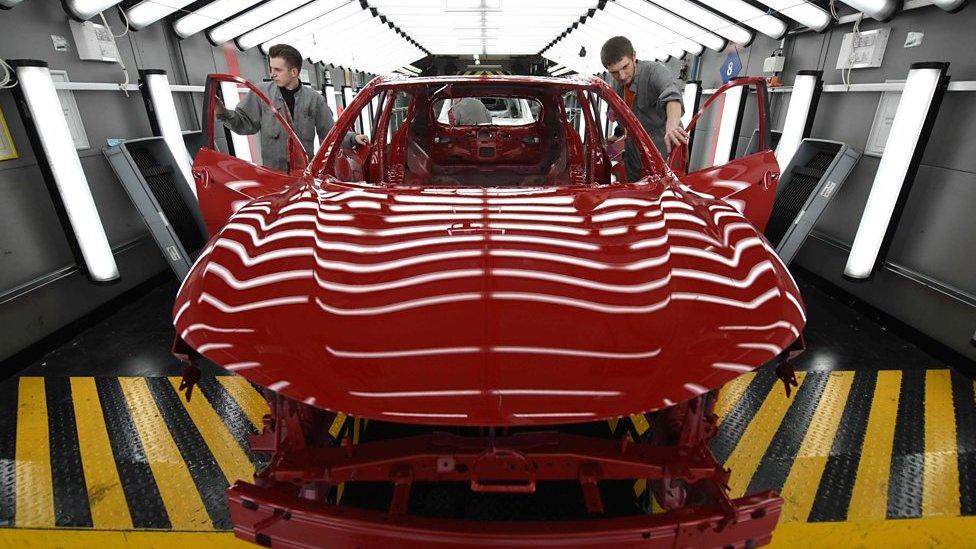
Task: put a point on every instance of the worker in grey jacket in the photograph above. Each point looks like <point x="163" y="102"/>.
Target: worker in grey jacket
<point x="305" y="110"/>
<point x="652" y="93"/>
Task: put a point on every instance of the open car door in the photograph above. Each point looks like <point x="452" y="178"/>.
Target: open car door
<point x="227" y="170"/>
<point x="747" y="180"/>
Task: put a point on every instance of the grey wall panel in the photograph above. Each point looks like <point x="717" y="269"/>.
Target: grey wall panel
<point x="30" y="316"/>
<point x="953" y="139"/>
<point x="31" y="241"/>
<point x="40" y="289"/>
<point x="840" y="219"/>
<point x="926" y="309"/>
<point x="934" y="237"/>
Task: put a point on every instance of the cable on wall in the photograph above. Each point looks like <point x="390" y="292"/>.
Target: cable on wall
<point x="125" y="82"/>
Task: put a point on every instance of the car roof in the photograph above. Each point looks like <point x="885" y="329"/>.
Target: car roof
<point x="535" y="81"/>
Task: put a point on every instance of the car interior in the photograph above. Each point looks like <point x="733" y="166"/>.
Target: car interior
<point x="415" y="142"/>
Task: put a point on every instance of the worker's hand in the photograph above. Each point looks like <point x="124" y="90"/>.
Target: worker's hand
<point x="674" y="136"/>
<point x="219" y="108"/>
<point x="362" y="140"/>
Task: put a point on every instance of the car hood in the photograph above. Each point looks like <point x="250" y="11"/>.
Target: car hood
<point x="489" y="306"/>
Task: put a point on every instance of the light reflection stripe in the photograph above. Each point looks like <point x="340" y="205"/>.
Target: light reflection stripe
<point x="552" y="392"/>
<point x="545" y="241"/>
<point x="403" y="353"/>
<point x="399" y="306"/>
<point x="577" y="352"/>
<point x="572" y="260"/>
<point x="417" y="414"/>
<point x="774" y="349"/>
<point x="396" y="247"/>
<point x="580" y="304"/>
<point x="416" y="394"/>
<point x="556" y="414"/>
<point x="395" y="264"/>
<point x="238" y="249"/>
<point x="582" y="282"/>
<point x="224" y="274"/>
<point x="254" y="305"/>
<point x="258" y="240"/>
<point x="747" y="282"/>
<point x="401" y="283"/>
<point x="754" y="304"/>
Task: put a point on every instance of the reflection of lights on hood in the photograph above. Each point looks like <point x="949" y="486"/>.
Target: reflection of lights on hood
<point x="406" y="353"/>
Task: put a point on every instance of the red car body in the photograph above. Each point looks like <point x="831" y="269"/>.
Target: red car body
<point x="426" y="293"/>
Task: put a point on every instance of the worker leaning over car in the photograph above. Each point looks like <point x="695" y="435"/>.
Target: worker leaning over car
<point x="652" y="92"/>
<point x="305" y="110"/>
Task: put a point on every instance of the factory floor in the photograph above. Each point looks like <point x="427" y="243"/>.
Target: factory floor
<point x="877" y="447"/>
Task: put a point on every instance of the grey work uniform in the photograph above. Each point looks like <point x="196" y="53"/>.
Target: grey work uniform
<point x="312" y="116"/>
<point x="469" y="111"/>
<point x="654" y="86"/>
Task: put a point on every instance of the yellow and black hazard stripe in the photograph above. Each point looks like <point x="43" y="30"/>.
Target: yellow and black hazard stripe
<point x="130" y="453"/>
<point x="123" y="453"/>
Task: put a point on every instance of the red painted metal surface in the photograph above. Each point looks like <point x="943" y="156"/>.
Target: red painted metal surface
<point x="406" y="301"/>
<point x="488" y="306"/>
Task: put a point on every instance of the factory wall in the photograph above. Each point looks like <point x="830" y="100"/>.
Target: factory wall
<point x="930" y="280"/>
<point x="41" y="290"/>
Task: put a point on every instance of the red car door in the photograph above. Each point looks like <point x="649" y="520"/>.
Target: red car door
<point x="747" y="182"/>
<point x="224" y="181"/>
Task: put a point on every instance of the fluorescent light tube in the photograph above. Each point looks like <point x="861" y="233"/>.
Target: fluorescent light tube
<point x="59" y="163"/>
<point x="148" y="12"/>
<point x="950" y="5"/>
<point x="749" y="15"/>
<point x="164" y="120"/>
<point x="917" y="109"/>
<point x="728" y="129"/>
<point x="708" y="19"/>
<point x="287" y="22"/>
<point x="83" y="10"/>
<point x="803" y="12"/>
<point x="232" y="97"/>
<point x="690" y="100"/>
<point x="882" y="10"/>
<point x="251" y="19"/>
<point x="799" y="115"/>
<point x="209" y="15"/>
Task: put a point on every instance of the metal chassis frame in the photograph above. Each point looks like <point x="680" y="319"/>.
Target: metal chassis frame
<point x="290" y="504"/>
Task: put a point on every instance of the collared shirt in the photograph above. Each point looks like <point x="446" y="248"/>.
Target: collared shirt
<point x="653" y="87"/>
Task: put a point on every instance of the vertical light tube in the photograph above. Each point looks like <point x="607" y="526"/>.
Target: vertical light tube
<point x="232" y="97"/>
<point x="330" y="100"/>
<point x="728" y="129"/>
<point x="605" y="118"/>
<point x="910" y="129"/>
<point x="83" y="10"/>
<point x="58" y="161"/>
<point x="799" y="116"/>
<point x="364" y="119"/>
<point x="164" y="120"/>
<point x="347" y="97"/>
<point x="690" y="100"/>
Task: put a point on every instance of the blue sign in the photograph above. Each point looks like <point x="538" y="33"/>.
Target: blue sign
<point x="732" y="66"/>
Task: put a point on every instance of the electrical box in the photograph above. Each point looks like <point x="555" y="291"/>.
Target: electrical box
<point x="94" y="42"/>
<point x="863" y="49"/>
<point x="774" y="64"/>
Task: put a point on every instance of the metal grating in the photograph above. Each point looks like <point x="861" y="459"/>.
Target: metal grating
<point x="162" y="184"/>
<point x="790" y="201"/>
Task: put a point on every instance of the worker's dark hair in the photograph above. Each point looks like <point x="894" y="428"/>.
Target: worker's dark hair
<point x="615" y="49"/>
<point x="292" y="58"/>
